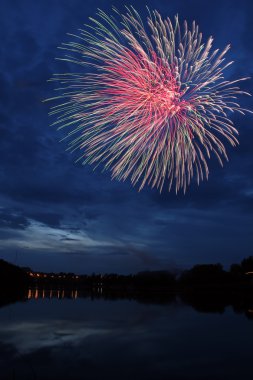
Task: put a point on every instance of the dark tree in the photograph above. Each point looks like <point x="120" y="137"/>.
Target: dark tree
<point x="247" y="264"/>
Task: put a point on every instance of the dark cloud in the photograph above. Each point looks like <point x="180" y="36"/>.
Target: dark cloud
<point x="50" y="219"/>
<point x="68" y="239"/>
<point x="12" y="221"/>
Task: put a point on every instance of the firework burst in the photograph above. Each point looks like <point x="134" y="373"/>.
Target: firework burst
<point x="153" y="106"/>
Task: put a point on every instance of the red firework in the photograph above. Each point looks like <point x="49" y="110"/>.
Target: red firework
<point x="155" y="108"/>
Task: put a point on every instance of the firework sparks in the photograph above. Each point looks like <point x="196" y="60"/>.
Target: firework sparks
<point x="154" y="106"/>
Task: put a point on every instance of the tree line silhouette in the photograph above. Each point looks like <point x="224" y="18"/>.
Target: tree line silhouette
<point x="199" y="277"/>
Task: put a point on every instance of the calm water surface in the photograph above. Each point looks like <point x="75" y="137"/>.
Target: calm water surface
<point x="81" y="338"/>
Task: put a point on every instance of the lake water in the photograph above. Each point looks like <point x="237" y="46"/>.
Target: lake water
<point x="85" y="338"/>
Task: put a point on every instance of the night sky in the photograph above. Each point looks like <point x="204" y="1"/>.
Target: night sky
<point x="56" y="215"/>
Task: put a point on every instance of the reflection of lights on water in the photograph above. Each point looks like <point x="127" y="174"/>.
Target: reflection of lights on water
<point x="52" y="293"/>
<point x="29" y="295"/>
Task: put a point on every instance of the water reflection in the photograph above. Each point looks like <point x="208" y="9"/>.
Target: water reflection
<point x="36" y="293"/>
<point x="50" y="293"/>
<point x="74" y="335"/>
<point x="202" y="302"/>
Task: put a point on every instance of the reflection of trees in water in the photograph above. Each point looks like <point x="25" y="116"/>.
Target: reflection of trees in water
<point x="217" y="302"/>
<point x="201" y="301"/>
<point x="9" y="298"/>
<point x="206" y="302"/>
